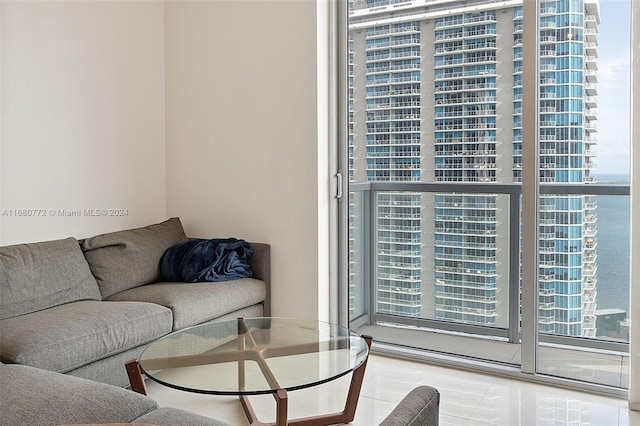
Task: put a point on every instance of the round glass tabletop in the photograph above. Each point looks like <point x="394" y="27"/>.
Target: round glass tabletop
<point x="253" y="356"/>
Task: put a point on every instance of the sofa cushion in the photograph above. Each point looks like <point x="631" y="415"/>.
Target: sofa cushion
<point x="175" y="417"/>
<point x="194" y="303"/>
<point x="37" y="276"/>
<point x="127" y="259"/>
<point x="31" y="396"/>
<point x="68" y="336"/>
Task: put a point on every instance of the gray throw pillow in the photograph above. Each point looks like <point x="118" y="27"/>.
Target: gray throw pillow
<point x="127" y="259"/>
<point x="38" y="276"/>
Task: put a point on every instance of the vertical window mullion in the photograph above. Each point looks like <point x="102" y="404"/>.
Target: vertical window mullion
<point x="339" y="89"/>
<point x="634" y="338"/>
<point x="530" y="186"/>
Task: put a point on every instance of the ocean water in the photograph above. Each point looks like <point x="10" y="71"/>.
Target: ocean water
<point x="613" y="249"/>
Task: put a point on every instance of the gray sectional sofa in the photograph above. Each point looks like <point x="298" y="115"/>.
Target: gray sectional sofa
<point x="86" y="307"/>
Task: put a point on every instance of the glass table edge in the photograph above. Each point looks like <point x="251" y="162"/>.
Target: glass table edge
<point x="351" y="334"/>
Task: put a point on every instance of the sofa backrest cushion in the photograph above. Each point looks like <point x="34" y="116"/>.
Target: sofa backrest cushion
<point x="38" y="276"/>
<point x="127" y="259"/>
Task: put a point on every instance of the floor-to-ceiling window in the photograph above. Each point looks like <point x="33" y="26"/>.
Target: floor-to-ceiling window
<point x="438" y="154"/>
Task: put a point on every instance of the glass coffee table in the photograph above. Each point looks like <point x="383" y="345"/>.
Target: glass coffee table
<point x="254" y="356"/>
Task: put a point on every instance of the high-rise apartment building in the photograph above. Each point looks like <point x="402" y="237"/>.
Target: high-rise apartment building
<point x="435" y="96"/>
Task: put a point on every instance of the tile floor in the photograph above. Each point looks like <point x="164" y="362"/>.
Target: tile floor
<point x="468" y="399"/>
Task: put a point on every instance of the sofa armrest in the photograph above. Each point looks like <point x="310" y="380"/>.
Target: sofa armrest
<point x="419" y="408"/>
<point x="260" y="264"/>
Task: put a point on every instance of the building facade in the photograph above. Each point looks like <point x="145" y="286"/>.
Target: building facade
<point x="435" y="96"/>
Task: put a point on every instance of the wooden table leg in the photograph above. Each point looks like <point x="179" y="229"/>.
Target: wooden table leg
<point x="282" y="403"/>
<point x="248" y="411"/>
<point x="349" y="412"/>
<point x="356" y="386"/>
<point x="282" y="408"/>
<point x="135" y="377"/>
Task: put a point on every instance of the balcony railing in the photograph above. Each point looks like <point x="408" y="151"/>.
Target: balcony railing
<point x="460" y="232"/>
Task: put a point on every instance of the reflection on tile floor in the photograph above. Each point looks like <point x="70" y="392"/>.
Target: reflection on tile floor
<point x="466" y="399"/>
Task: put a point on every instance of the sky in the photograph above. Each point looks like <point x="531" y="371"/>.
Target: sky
<point x="614" y="85"/>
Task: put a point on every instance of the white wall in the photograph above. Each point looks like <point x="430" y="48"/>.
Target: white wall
<point x="82" y="115"/>
<point x="242" y="145"/>
<point x="205" y="110"/>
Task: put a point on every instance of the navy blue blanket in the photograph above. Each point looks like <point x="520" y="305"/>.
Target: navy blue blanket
<point x="218" y="259"/>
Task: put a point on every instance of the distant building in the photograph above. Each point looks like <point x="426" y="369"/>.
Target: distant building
<point x="611" y="323"/>
<point x="435" y="95"/>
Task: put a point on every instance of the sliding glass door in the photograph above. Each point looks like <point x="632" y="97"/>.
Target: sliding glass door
<point x="583" y="143"/>
<point x="484" y="216"/>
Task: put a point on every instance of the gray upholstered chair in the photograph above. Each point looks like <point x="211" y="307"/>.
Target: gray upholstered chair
<point x="419" y="408"/>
